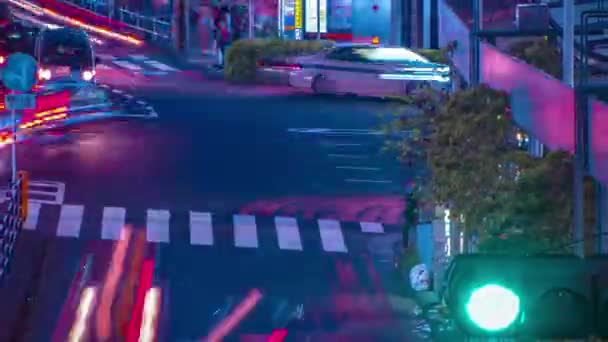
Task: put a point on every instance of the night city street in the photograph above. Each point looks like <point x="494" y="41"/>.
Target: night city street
<point x="217" y="190"/>
<point x="303" y="170"/>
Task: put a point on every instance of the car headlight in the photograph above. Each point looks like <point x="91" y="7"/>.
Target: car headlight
<point x="88" y="75"/>
<point x="44" y="74"/>
<point x="2" y="60"/>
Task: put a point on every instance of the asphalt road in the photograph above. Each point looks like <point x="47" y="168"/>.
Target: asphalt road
<point x="227" y="189"/>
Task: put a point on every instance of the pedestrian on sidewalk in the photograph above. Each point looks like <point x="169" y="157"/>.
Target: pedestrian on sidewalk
<point x="223" y="38"/>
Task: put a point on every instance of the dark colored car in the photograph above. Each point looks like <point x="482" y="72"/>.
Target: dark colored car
<point x="65" y="54"/>
<point x="16" y="37"/>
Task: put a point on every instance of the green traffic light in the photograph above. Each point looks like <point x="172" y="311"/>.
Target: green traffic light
<point x="493" y="307"/>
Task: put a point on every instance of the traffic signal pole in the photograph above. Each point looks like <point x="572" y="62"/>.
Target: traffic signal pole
<point x="14" y="147"/>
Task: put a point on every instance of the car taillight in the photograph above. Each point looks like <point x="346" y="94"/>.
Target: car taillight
<point x="88" y="75"/>
<point x="44" y="74"/>
<point x="2" y="59"/>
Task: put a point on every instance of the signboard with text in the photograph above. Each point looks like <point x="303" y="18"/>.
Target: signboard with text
<point x="311" y="15"/>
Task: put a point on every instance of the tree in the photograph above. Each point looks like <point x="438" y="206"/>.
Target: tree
<point x="541" y="54"/>
<point x="466" y="140"/>
<point x="516" y="204"/>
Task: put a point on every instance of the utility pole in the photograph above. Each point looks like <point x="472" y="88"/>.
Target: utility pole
<point x="475" y="44"/>
<point x="318" y="19"/>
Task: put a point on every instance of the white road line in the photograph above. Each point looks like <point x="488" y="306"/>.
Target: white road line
<point x="128" y="96"/>
<point x="70" y="220"/>
<point x="331" y="236"/>
<point x="117" y="91"/>
<point x="201" y="228"/>
<point x="351" y="180"/>
<point x="138" y="57"/>
<point x="349" y="156"/>
<point x="128" y="65"/>
<point x="112" y="222"/>
<point x="288" y="233"/>
<point x="33" y="211"/>
<point x="157" y="225"/>
<point x="360" y="168"/>
<point x="372" y="227"/>
<point x="245" y="231"/>
<point x="347" y="145"/>
<point x="160" y="66"/>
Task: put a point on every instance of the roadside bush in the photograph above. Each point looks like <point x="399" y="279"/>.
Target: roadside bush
<point x="243" y="55"/>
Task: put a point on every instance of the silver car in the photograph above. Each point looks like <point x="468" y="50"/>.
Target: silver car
<point x="366" y="69"/>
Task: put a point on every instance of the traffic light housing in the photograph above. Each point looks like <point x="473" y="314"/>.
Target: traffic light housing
<point x="536" y="296"/>
<point x="23" y="193"/>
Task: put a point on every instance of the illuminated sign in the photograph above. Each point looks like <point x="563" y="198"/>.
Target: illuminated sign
<point x="298" y="14"/>
<point x="311" y="15"/>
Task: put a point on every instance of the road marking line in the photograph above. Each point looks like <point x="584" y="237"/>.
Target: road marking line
<point x="372" y="227"/>
<point x="141" y="102"/>
<point x="351" y="180"/>
<point x="331" y="236"/>
<point x="128" y="96"/>
<point x="117" y="91"/>
<point x="160" y="66"/>
<point x="350" y="156"/>
<point x="112" y="223"/>
<point x="33" y="211"/>
<point x="138" y="57"/>
<point x="288" y="233"/>
<point x="362" y="168"/>
<point x="245" y="231"/>
<point x="345" y="144"/>
<point x="127" y="65"/>
<point x="157" y="225"/>
<point x="201" y="228"/>
<point x="70" y="220"/>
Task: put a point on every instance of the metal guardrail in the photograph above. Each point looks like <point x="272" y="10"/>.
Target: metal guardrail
<point x="157" y="28"/>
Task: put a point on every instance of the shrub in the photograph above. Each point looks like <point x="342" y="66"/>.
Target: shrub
<point x="243" y="55"/>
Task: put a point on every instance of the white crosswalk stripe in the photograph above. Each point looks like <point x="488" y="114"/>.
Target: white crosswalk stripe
<point x="135" y="63"/>
<point x="128" y="65"/>
<point x="331" y="236"/>
<point x="70" y="220"/>
<point x="288" y="233"/>
<point x="112" y="223"/>
<point x="203" y="229"/>
<point x="33" y="211"/>
<point x="157" y="225"/>
<point x="245" y="231"/>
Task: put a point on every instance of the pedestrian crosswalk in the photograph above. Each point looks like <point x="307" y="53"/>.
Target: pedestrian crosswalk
<point x="201" y="229"/>
<point x="139" y="64"/>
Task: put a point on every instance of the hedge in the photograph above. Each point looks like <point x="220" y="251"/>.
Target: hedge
<point x="243" y="55"/>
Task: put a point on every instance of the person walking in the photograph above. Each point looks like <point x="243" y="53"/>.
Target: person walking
<point x="223" y="37"/>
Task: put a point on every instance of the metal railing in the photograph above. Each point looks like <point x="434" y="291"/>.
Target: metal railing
<point x="155" y="27"/>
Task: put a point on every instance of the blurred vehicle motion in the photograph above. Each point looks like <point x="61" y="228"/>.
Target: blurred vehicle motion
<point x="65" y="55"/>
<point x="363" y="69"/>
